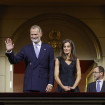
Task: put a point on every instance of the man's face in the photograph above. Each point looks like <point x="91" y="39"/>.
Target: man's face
<point x="35" y="35"/>
<point x="97" y="74"/>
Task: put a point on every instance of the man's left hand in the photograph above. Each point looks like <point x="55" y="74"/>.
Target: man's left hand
<point x="49" y="88"/>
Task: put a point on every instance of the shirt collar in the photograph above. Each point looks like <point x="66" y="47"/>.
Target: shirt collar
<point x="100" y="80"/>
<point x="39" y="44"/>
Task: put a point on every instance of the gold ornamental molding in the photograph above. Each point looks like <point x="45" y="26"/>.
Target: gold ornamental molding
<point x="54" y="40"/>
<point x="98" y="53"/>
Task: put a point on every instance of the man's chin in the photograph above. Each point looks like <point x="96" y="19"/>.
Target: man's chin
<point x="95" y="78"/>
<point x="35" y="41"/>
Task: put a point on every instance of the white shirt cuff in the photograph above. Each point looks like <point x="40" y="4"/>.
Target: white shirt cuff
<point x="8" y="51"/>
<point x="50" y="85"/>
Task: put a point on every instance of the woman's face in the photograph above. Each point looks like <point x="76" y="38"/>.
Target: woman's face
<point x="67" y="48"/>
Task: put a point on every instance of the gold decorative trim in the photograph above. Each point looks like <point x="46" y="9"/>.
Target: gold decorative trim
<point x="89" y="74"/>
<point x="54" y="39"/>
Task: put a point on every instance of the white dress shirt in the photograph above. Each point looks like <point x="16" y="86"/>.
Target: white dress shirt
<point x="39" y="45"/>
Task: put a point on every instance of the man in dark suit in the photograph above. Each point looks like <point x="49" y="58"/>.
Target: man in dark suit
<point x="99" y="84"/>
<point x="39" y="62"/>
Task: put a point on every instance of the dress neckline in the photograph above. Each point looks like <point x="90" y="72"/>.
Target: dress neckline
<point x="67" y="63"/>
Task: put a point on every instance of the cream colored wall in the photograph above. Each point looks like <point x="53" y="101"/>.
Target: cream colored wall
<point x="2" y="74"/>
<point x="2" y="66"/>
<point x="5" y="74"/>
<point x="13" y="17"/>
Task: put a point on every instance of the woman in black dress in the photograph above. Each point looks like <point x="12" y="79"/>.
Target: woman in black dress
<point x="65" y="67"/>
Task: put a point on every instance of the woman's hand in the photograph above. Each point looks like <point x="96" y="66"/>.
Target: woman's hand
<point x="66" y="88"/>
<point x="72" y="88"/>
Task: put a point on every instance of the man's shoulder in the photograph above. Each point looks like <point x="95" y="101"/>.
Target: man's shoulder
<point x="92" y="83"/>
<point x="47" y="45"/>
<point x="27" y="46"/>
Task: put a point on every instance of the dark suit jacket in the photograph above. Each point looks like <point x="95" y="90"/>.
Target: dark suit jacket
<point x="38" y="72"/>
<point x="92" y="87"/>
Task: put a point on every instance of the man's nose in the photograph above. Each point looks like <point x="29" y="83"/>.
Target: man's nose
<point x="34" y="36"/>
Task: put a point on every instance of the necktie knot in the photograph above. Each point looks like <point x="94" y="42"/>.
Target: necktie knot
<point x="98" y="81"/>
<point x="36" y="45"/>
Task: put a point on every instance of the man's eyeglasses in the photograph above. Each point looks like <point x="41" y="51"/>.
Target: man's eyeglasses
<point x="95" y="72"/>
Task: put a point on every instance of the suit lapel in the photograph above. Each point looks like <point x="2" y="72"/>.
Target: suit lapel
<point x="33" y="55"/>
<point x="103" y="87"/>
<point x="94" y="86"/>
<point x="42" y="52"/>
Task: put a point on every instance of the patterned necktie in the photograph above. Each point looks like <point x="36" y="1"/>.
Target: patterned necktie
<point x="36" y="50"/>
<point x="98" y="86"/>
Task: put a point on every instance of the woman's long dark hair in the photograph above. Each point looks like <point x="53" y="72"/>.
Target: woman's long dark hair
<point x="73" y="52"/>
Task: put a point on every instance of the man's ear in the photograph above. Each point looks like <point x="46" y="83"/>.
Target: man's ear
<point x="41" y="34"/>
<point x="101" y="73"/>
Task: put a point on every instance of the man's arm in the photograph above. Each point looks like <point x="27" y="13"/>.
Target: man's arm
<point x="51" y="67"/>
<point x="51" y="71"/>
<point x="9" y="53"/>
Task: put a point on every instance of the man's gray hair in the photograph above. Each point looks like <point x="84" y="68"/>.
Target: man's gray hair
<point x="36" y="26"/>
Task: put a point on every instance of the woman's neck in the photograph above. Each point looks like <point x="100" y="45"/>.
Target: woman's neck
<point x="67" y="56"/>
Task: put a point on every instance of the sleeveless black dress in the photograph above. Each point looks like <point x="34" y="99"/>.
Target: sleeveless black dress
<point x="67" y="75"/>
